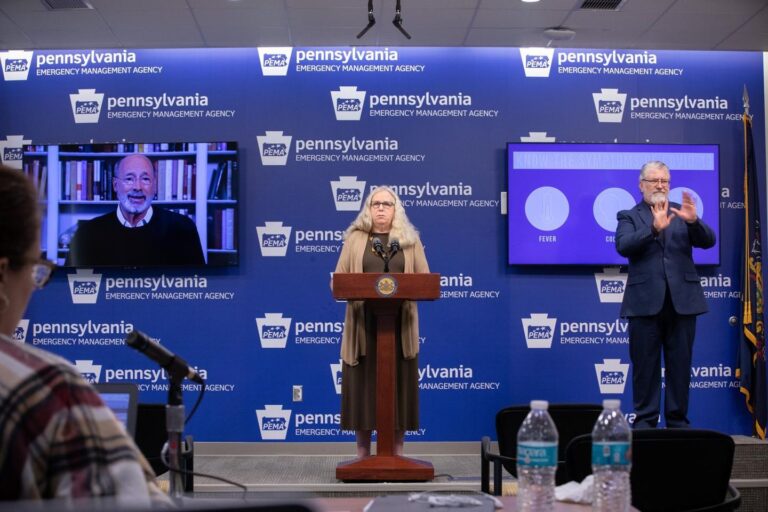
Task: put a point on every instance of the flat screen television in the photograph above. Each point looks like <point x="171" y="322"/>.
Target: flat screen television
<point x="194" y="201"/>
<point x="563" y="197"/>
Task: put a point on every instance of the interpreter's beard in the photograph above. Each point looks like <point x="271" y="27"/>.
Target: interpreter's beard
<point x="130" y="205"/>
<point x="658" y="197"/>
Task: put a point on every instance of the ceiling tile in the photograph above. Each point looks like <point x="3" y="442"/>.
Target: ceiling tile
<point x="163" y="26"/>
<point x="730" y="6"/>
<point x="138" y="5"/>
<point x="611" y="21"/>
<point x="259" y="36"/>
<point x="442" y="18"/>
<point x="505" y="37"/>
<point x="11" y="36"/>
<point x="505" y="18"/>
<point x="273" y="5"/>
<point x="548" y="5"/>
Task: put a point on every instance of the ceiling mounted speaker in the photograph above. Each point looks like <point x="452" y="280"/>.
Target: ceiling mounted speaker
<point x="559" y="34"/>
<point x="57" y="5"/>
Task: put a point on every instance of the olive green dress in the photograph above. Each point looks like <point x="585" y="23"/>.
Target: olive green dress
<point x="358" y="383"/>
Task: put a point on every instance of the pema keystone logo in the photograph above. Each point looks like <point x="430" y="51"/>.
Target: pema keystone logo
<point x="12" y="150"/>
<point x="611" y="376"/>
<point x="537" y="62"/>
<point x="539" y="330"/>
<point x="347" y="193"/>
<point x="275" y="60"/>
<point x="16" y="64"/>
<point x="336" y="376"/>
<point x="273" y="238"/>
<point x="273" y="422"/>
<point x="274" y="148"/>
<point x="273" y="330"/>
<point x="86" y="105"/>
<point x="348" y="103"/>
<point x="90" y="372"/>
<point x="611" y="284"/>
<point x="20" y="333"/>
<point x="609" y="105"/>
<point x="84" y="286"/>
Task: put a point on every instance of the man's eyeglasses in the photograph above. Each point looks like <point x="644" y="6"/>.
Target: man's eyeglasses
<point x="657" y="181"/>
<point x="382" y="204"/>
<point x="42" y="271"/>
<point x="131" y="181"/>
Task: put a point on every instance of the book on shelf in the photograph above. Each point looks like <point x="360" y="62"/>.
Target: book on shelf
<point x="221" y="229"/>
<point x="222" y="180"/>
<point x="37" y="172"/>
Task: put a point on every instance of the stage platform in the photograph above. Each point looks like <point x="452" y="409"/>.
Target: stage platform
<point x="311" y="467"/>
<point x="308" y="469"/>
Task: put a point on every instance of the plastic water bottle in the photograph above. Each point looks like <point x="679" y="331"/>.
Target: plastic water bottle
<point x="611" y="450"/>
<point x="536" y="460"/>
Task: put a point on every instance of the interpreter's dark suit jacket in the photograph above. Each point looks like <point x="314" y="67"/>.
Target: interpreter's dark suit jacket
<point x="658" y="262"/>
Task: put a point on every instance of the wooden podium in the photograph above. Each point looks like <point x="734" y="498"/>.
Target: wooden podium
<point x="384" y="294"/>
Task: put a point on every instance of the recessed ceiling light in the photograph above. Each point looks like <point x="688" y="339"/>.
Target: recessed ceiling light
<point x="530" y="1"/>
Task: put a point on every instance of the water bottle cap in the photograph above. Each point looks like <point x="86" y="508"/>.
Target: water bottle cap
<point x="540" y="404"/>
<point x="611" y="403"/>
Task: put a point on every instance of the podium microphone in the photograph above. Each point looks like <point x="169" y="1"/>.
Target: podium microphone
<point x="172" y="363"/>
<point x="394" y="247"/>
<point x="378" y="246"/>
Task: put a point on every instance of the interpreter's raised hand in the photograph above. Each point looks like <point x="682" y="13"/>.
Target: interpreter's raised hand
<point x="687" y="210"/>
<point x="661" y="217"/>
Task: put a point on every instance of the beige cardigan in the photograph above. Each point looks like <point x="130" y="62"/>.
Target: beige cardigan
<point x="351" y="260"/>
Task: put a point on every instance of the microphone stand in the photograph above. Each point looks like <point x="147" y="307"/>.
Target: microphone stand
<point x="174" y="421"/>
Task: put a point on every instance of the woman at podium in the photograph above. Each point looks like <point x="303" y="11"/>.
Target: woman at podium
<point x="381" y="236"/>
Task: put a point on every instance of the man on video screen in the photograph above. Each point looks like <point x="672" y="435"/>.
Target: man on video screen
<point x="137" y="234"/>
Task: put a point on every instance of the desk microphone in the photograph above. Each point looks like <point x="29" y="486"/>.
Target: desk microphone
<point x="172" y="363"/>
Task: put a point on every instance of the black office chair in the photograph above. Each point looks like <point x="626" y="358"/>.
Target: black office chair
<point x="672" y="469"/>
<point x="571" y="420"/>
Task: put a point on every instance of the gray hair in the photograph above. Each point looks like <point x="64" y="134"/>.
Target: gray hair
<point x="653" y="164"/>
<point x="402" y="229"/>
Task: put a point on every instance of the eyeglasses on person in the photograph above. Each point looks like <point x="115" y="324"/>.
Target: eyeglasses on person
<point x="657" y="181"/>
<point x="42" y="270"/>
<point x="382" y="204"/>
<point x="131" y="181"/>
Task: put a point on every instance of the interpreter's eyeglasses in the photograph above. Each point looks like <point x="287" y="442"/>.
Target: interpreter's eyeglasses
<point x="42" y="271"/>
<point x="130" y="181"/>
<point x="382" y="204"/>
<point x="658" y="181"/>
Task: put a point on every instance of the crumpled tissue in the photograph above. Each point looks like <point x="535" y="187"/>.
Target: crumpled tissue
<point x="575" y="492"/>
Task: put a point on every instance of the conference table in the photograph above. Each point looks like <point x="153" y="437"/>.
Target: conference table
<point x="509" y="502"/>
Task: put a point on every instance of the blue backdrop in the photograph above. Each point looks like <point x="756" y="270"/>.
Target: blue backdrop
<point x="432" y="122"/>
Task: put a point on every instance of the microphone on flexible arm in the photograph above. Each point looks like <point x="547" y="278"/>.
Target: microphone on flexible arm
<point x="173" y="364"/>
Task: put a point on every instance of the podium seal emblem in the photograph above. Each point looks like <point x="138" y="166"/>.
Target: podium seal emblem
<point x="386" y="285"/>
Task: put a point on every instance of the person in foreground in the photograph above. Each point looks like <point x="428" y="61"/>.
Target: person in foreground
<point x="137" y="233"/>
<point x="382" y="217"/>
<point x="663" y="295"/>
<point x="57" y="438"/>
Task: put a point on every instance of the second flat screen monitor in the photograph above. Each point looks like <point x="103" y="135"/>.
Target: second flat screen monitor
<point x="563" y="198"/>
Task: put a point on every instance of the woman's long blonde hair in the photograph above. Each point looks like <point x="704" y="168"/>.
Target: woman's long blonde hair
<point x="402" y="229"/>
